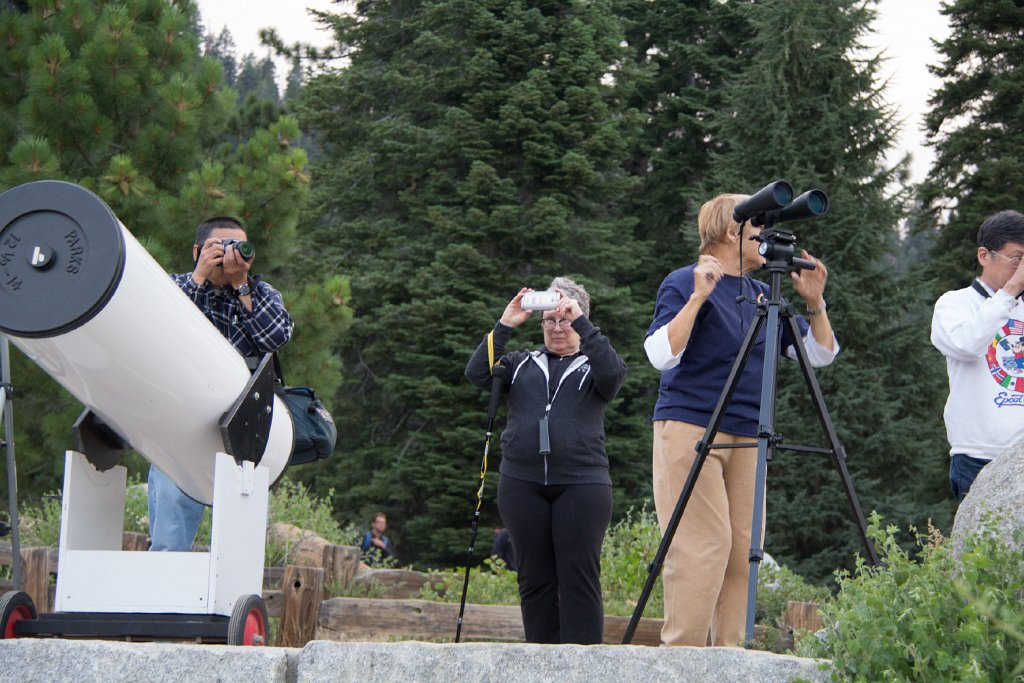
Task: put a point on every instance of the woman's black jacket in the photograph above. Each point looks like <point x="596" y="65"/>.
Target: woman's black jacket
<point x="575" y="411"/>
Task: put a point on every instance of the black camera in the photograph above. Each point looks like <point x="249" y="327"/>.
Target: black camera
<point x="245" y="249"/>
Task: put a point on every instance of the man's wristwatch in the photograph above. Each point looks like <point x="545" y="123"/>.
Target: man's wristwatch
<point x="244" y="290"/>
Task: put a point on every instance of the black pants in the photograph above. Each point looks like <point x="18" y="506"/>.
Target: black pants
<point x="557" y="533"/>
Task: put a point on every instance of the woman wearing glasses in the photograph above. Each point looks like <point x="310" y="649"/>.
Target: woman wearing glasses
<point x="554" y="494"/>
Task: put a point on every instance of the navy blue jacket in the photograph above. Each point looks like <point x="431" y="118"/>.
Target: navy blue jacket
<point x="689" y="391"/>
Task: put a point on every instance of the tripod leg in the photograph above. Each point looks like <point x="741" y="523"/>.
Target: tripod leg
<point x="765" y="448"/>
<point x="838" y="452"/>
<point x="654" y="569"/>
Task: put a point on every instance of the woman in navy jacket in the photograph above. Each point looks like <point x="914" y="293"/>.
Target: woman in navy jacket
<point x="556" y="500"/>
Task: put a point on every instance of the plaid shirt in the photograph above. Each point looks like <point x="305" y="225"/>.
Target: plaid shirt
<point x="262" y="330"/>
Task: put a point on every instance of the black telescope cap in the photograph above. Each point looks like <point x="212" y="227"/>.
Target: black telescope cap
<point x="62" y="254"/>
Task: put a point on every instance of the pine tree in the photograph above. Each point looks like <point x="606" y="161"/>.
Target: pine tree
<point x="809" y="109"/>
<point x="471" y="147"/>
<point x="222" y="48"/>
<point x="975" y="126"/>
<point x="115" y="96"/>
<point x="682" y="55"/>
<point x="257" y="77"/>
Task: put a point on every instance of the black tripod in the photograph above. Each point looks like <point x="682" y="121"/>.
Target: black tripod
<point x="777" y="246"/>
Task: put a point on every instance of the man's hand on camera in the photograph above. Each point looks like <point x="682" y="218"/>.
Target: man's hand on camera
<point x="236" y="268"/>
<point x="706" y="276"/>
<point x="211" y="255"/>
<point x="514" y="314"/>
<point x="810" y="284"/>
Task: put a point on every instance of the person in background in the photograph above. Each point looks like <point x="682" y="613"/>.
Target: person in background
<point x="375" y="543"/>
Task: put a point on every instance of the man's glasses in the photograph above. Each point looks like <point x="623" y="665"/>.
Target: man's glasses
<point x="1015" y="261"/>
<point x="551" y="323"/>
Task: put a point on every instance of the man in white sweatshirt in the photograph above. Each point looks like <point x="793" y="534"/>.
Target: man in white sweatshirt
<point x="980" y="331"/>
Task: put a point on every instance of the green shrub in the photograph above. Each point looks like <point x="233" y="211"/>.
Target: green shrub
<point x="292" y="503"/>
<point x="931" y="619"/>
<point x="136" y="507"/>
<point x="629" y="548"/>
<point x="39" y="525"/>
<point x="490" y="583"/>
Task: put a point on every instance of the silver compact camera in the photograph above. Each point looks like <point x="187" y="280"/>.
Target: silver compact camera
<point x="540" y="301"/>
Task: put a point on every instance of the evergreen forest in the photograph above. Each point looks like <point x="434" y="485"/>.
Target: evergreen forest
<point x="404" y="184"/>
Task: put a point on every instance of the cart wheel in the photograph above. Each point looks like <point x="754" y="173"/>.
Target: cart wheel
<point x="248" y="622"/>
<point x="14" y="606"/>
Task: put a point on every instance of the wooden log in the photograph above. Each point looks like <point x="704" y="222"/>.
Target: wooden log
<point x="134" y="541"/>
<point x="303" y="591"/>
<point x="340" y="563"/>
<point x="354" y="619"/>
<point x="36" y="565"/>
<point x="801" y="616"/>
<point x="306" y="549"/>
<point x="648" y="631"/>
<point x="274" y="600"/>
<point x="6" y="556"/>
<point x="363" y="619"/>
<point x="272" y="577"/>
<point x="392" y="583"/>
<point x="377" y="620"/>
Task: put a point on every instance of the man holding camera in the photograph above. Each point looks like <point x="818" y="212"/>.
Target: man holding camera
<point x="980" y="330"/>
<point x="251" y="315"/>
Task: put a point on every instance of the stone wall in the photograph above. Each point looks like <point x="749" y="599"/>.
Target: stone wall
<point x="82" y="661"/>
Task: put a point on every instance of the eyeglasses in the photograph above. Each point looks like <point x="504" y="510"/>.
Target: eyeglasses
<point x="550" y="323"/>
<point x="1015" y="261"/>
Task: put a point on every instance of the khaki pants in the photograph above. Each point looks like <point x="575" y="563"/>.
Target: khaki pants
<point x="707" y="565"/>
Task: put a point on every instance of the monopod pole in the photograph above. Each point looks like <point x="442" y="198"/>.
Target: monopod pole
<point x="499" y="374"/>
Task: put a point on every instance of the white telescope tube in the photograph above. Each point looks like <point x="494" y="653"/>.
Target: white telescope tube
<point x="86" y="302"/>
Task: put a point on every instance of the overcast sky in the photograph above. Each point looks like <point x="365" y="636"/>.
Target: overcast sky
<point x="904" y="30"/>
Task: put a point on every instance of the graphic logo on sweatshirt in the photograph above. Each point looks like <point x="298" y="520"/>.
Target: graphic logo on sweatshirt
<point x="1005" y="359"/>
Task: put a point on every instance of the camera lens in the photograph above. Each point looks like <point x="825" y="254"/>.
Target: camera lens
<point x="246" y="250"/>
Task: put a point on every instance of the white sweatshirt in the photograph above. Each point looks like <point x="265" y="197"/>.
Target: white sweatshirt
<point x="983" y="342"/>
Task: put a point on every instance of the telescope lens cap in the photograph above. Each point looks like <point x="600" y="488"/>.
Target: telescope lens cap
<point x="62" y="255"/>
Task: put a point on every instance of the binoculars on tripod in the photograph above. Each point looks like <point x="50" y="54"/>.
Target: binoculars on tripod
<point x="774" y="203"/>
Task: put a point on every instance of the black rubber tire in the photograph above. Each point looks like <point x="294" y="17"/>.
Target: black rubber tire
<point x="248" y="624"/>
<point x="14" y="606"/>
